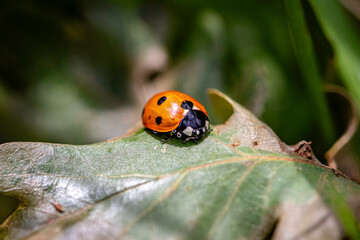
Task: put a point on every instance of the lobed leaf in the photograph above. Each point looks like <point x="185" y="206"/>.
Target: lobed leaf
<point x="241" y="182"/>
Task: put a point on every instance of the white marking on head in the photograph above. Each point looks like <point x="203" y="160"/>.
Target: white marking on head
<point x="195" y="108"/>
<point x="197" y="132"/>
<point x="185" y="111"/>
<point x="207" y="124"/>
<point x="188" y="131"/>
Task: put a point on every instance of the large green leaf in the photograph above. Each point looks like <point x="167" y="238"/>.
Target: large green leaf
<point x="240" y="182"/>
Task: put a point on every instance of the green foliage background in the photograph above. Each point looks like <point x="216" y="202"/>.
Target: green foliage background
<point x="65" y="63"/>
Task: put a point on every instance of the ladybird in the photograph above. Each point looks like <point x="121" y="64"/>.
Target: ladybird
<point x="177" y="115"/>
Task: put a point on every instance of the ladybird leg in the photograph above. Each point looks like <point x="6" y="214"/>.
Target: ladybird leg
<point x="194" y="139"/>
<point x="169" y="136"/>
<point x="184" y="140"/>
<point x="165" y="140"/>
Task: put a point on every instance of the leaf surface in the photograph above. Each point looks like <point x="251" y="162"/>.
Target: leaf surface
<point x="240" y="182"/>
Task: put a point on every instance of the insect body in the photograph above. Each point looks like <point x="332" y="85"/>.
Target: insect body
<point x="176" y="114"/>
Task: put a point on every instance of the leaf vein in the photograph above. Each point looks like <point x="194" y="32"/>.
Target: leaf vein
<point x="226" y="207"/>
<point x="166" y="194"/>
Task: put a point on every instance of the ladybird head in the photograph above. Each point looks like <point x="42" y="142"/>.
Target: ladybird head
<point x="195" y="123"/>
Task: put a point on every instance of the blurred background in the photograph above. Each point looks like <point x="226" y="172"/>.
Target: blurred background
<point x="80" y="72"/>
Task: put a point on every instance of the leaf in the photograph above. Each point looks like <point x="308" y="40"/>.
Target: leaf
<point x="308" y="66"/>
<point x="345" y="40"/>
<point x="241" y="182"/>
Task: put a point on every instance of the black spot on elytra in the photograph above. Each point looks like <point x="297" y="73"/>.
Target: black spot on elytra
<point x="149" y="117"/>
<point x="187" y="105"/>
<point x="161" y="100"/>
<point x="158" y="120"/>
